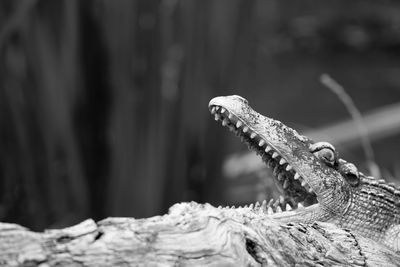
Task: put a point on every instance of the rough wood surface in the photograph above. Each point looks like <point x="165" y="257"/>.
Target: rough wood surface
<point x="192" y="234"/>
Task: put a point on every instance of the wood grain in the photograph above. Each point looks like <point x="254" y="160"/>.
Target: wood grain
<point x="192" y="234"/>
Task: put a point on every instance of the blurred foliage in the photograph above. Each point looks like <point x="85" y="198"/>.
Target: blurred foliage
<point x="104" y="103"/>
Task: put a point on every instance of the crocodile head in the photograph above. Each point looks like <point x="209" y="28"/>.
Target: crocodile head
<point x="331" y="189"/>
<point x="309" y="173"/>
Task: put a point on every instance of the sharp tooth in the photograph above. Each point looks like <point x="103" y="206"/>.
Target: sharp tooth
<point x="261" y="143"/>
<point x="257" y="205"/>
<point x="225" y="122"/>
<point x="238" y="124"/>
<point x="230" y="116"/>
<point x="213" y="110"/>
<point x="245" y="129"/>
<point x="282" y="161"/>
<point x="285" y="184"/>
<point x="296" y="176"/>
<point x="216" y="117"/>
<point x="288" y="167"/>
<point x="281" y="199"/>
<point x="268" y="149"/>
<point x="278" y="209"/>
<point x="303" y="183"/>
<point x="223" y="110"/>
<point x="300" y="206"/>
<point x="274" y="155"/>
<point x="288" y="207"/>
<point x="217" y="107"/>
<point x="253" y="135"/>
<point x="251" y="206"/>
<point x="310" y="190"/>
<point x="264" y="205"/>
<point x="270" y="210"/>
<point x="270" y="202"/>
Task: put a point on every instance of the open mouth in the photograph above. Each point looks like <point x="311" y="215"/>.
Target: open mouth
<point x="296" y="192"/>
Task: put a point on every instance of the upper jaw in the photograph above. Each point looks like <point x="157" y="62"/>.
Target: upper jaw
<point x="281" y="147"/>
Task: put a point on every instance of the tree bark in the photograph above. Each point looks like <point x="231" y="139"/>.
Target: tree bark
<point x="192" y="234"/>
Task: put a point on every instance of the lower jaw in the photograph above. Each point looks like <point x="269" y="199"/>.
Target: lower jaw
<point x="304" y="215"/>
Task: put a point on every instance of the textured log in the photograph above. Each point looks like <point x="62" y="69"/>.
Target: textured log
<point x="192" y="234"/>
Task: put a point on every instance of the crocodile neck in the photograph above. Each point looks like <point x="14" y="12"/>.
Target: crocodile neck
<point x="312" y="174"/>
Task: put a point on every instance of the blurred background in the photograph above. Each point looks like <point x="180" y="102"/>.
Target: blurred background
<point x="103" y="104"/>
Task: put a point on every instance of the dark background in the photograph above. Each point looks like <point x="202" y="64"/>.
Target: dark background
<point x="103" y="104"/>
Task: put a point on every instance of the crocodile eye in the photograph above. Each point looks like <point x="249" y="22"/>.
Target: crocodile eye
<point x="327" y="155"/>
<point x="325" y="152"/>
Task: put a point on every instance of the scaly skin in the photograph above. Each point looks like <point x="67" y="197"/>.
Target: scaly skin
<point x="311" y="172"/>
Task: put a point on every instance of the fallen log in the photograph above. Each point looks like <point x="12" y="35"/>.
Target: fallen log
<point x="192" y="234"/>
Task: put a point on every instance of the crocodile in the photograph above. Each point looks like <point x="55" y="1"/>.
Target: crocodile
<point x="319" y="184"/>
